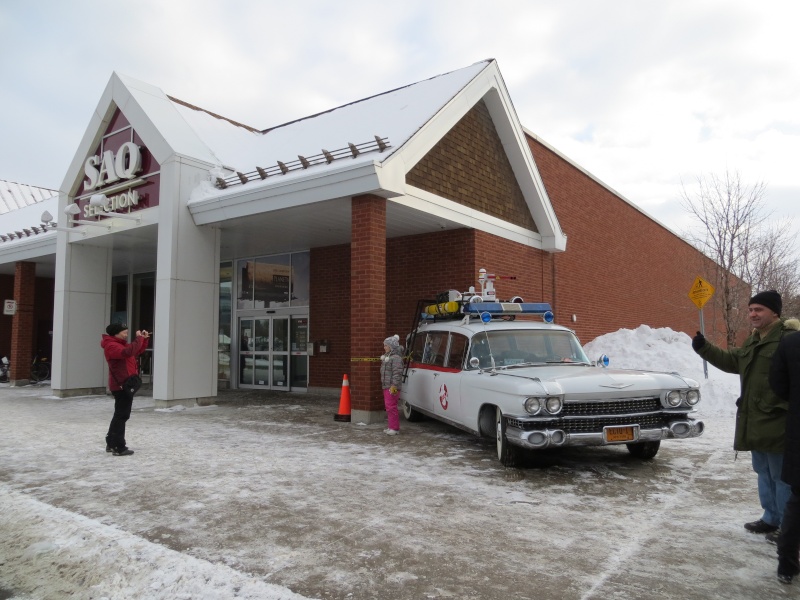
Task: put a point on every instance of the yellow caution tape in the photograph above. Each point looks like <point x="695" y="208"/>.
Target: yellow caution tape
<point x="364" y="359"/>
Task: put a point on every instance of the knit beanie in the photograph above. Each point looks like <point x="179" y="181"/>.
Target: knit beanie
<point x="393" y="342"/>
<point x="771" y="299"/>
<point x="116" y="328"/>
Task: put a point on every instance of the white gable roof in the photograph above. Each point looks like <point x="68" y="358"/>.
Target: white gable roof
<point x="412" y="119"/>
<point x="396" y="115"/>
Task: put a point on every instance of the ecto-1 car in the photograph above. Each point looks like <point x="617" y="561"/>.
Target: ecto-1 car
<point x="484" y="366"/>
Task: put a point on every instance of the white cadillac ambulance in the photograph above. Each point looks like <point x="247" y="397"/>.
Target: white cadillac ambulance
<point x="504" y="370"/>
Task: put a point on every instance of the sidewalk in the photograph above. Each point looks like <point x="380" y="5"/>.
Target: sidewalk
<point x="269" y="497"/>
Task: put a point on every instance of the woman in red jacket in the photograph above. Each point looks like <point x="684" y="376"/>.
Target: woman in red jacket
<point x="121" y="358"/>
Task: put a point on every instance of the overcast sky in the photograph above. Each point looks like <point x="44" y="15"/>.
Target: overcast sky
<point x="642" y="94"/>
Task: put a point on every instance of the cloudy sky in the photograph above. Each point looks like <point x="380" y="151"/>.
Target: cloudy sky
<point x="644" y="95"/>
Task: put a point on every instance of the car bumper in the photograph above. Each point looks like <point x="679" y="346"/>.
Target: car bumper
<point x="555" y="438"/>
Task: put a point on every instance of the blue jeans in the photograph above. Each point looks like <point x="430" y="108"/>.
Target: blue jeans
<point x="772" y="492"/>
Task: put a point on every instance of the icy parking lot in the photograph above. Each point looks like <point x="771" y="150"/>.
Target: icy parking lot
<point x="278" y="500"/>
<point x="265" y="496"/>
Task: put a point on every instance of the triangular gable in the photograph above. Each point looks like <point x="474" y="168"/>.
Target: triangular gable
<point x="469" y="166"/>
<point x="154" y="120"/>
<point x="540" y="228"/>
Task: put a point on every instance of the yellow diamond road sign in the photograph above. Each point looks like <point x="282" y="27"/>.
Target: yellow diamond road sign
<point x="701" y="292"/>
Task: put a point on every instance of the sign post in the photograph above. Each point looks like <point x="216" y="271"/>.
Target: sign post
<point x="701" y="292"/>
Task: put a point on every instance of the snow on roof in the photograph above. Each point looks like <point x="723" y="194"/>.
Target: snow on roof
<point x="396" y="115"/>
<point x="16" y="195"/>
<point x="13" y="224"/>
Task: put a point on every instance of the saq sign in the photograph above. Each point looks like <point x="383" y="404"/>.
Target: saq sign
<point x="121" y="169"/>
<point x="110" y="168"/>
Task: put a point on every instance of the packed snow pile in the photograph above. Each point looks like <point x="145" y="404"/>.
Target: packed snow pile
<point x="667" y="350"/>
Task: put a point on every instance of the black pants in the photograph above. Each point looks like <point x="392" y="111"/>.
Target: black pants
<point x="789" y="540"/>
<point x="122" y="412"/>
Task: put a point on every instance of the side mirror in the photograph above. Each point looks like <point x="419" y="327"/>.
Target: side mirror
<point x="474" y="362"/>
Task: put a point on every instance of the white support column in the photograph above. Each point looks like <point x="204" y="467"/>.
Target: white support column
<point x="187" y="294"/>
<point x="81" y="311"/>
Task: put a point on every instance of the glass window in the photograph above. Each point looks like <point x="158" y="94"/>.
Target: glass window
<point x="299" y="335"/>
<point x="523" y="346"/>
<point x="261" y="338"/>
<point x="244" y="288"/>
<point x="458" y="350"/>
<point x="224" y="332"/>
<point x="301" y="278"/>
<point x="119" y="299"/>
<point x="272" y="281"/>
<point x="434" y="345"/>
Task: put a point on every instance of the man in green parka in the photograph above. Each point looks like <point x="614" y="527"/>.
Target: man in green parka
<point x="760" y="413"/>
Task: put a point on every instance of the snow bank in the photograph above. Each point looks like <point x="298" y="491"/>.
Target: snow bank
<point x="112" y="563"/>
<point x="667" y="350"/>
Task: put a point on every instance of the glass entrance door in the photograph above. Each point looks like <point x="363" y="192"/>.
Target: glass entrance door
<point x="269" y="355"/>
<point x="254" y="345"/>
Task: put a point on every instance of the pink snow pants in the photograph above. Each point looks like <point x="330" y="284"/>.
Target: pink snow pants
<point x="390" y="401"/>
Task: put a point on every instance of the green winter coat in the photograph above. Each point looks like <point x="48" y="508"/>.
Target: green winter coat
<point x="760" y="413"/>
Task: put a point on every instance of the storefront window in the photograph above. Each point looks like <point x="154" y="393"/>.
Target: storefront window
<point x="301" y="278"/>
<point x="272" y="281"/>
<point x="119" y="299"/>
<point x="224" y="343"/>
<point x="244" y="289"/>
<point x="277" y="281"/>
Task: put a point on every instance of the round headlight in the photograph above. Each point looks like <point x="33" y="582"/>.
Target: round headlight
<point x="553" y="405"/>
<point x="533" y="405"/>
<point x="674" y="398"/>
<point x="692" y="397"/>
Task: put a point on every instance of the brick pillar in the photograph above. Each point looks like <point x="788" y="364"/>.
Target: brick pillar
<point x="367" y="306"/>
<point x="22" y="327"/>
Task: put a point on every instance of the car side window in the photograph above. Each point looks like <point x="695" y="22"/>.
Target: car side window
<point x="418" y="350"/>
<point x="429" y="348"/>
<point x="435" y="347"/>
<point x="458" y="350"/>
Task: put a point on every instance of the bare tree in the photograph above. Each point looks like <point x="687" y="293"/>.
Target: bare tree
<point x="735" y="233"/>
<point x="774" y="264"/>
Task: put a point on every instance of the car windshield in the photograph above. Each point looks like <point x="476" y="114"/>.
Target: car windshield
<point x="525" y="347"/>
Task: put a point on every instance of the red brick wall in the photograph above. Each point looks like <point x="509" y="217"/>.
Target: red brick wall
<point x="6" y="293"/>
<point x="329" y="314"/>
<point x="42" y="315"/>
<point x="22" y="327"/>
<point x="621" y="269"/>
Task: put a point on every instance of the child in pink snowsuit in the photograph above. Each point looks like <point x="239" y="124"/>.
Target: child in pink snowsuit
<point x="391" y="378"/>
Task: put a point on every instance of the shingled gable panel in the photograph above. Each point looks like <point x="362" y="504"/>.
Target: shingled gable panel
<point x="469" y="166"/>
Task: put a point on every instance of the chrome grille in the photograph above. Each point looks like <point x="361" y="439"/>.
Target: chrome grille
<point x="593" y="424"/>
<point x="612" y="407"/>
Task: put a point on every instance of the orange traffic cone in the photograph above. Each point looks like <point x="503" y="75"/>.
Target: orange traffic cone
<point x="344" y="402"/>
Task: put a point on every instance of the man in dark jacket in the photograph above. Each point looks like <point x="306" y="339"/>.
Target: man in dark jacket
<point x="760" y="413"/>
<point x="784" y="377"/>
<point x="121" y="357"/>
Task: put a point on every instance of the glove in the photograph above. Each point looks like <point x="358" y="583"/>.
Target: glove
<point x="698" y="341"/>
<point x="393" y="390"/>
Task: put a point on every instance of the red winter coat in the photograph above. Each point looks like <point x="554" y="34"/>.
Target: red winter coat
<point x="121" y="358"/>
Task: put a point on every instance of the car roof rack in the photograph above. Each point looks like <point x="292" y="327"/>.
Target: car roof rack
<point x="452" y="304"/>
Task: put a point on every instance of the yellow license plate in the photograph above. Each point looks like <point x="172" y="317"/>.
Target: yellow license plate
<point x="620" y="434"/>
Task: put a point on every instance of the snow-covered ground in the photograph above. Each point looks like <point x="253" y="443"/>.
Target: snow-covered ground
<point x="277" y="500"/>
